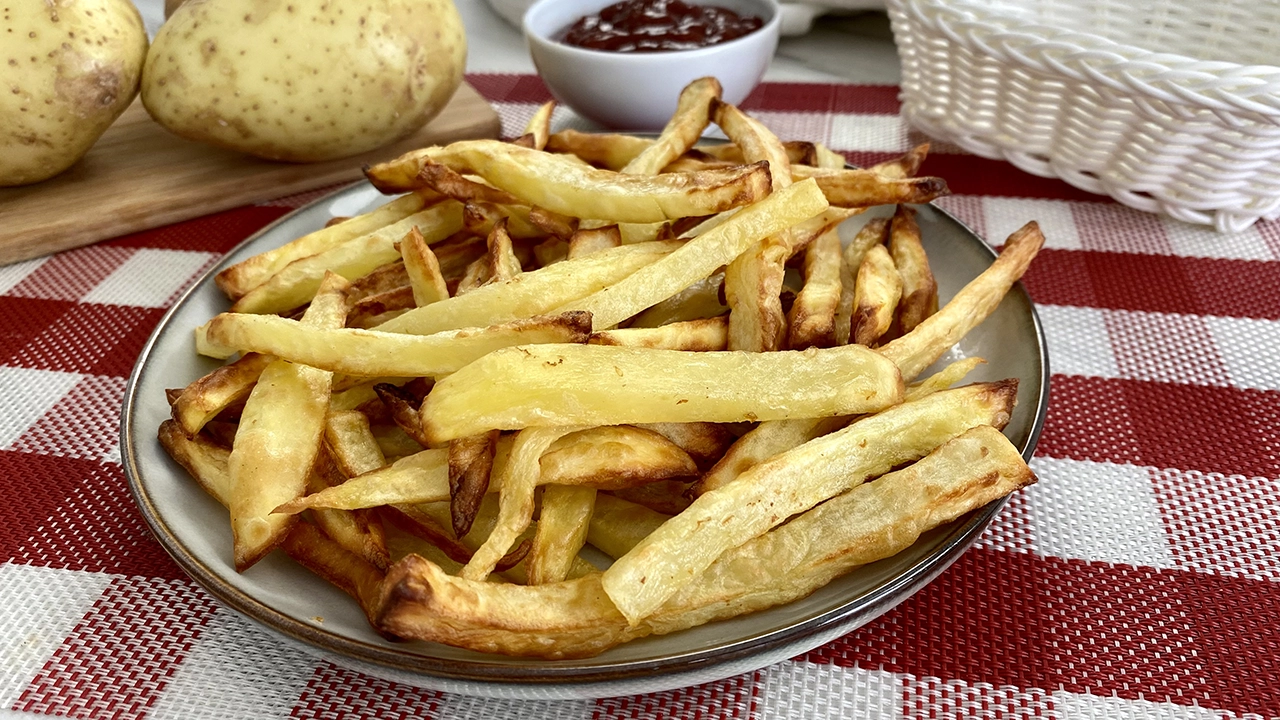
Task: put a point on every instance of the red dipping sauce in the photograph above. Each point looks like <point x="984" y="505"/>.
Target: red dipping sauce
<point x="658" y="25"/>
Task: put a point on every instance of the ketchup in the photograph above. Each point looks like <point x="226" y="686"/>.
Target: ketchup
<point x="658" y="25"/>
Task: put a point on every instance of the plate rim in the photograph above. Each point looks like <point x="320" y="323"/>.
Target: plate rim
<point x="468" y="675"/>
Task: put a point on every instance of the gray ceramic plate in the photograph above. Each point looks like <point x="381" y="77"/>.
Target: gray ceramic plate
<point x="301" y="608"/>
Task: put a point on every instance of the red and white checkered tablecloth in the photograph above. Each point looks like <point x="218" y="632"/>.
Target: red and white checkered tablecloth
<point x="1139" y="579"/>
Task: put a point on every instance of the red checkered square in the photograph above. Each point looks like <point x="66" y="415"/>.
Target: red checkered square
<point x="1088" y="419"/>
<point x="72" y="274"/>
<point x="76" y="515"/>
<point x="119" y="658"/>
<point x="928" y="698"/>
<point x="730" y="699"/>
<point x="336" y="692"/>
<point x="95" y="339"/>
<point x="83" y="424"/>
<point x="1228" y="525"/>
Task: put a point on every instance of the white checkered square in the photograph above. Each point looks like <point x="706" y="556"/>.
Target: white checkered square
<point x="29" y="394"/>
<point x="39" y="606"/>
<point x="867" y="132"/>
<point x="463" y="707"/>
<point x="150" y="278"/>
<point x="1098" y="512"/>
<point x="810" y="127"/>
<point x="11" y="275"/>
<point x="1077" y="706"/>
<point x="235" y="670"/>
<point x="1004" y="215"/>
<point x="1078" y="341"/>
<point x="828" y="692"/>
<point x="1248" y="348"/>
<point x="1227" y="524"/>
<point x="1189" y="240"/>
<point x="85" y="423"/>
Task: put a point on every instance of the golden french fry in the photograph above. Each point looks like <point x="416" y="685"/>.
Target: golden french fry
<point x="375" y="353"/>
<point x="756" y="142"/>
<point x="702" y="335"/>
<point x="577" y="619"/>
<point x="538" y="292"/>
<point x="451" y="184"/>
<point x="943" y="379"/>
<point x="586" y="241"/>
<point x="296" y="283"/>
<point x="763" y="442"/>
<point x="517" y="481"/>
<point x="918" y="349"/>
<point x="202" y="400"/>
<point x="551" y="251"/>
<point x="476" y="276"/>
<point x="538" y="129"/>
<point x="422" y="477"/>
<point x="548" y="385"/>
<point x="617" y="525"/>
<point x="692" y="115"/>
<point x="279" y="435"/>
<point x="812" y="320"/>
<point x="552" y="182"/>
<point x="374" y="310"/>
<point x="247" y="274"/>
<point x="551" y="223"/>
<point x="394" y="442"/>
<point x="351" y="443"/>
<point x="503" y="263"/>
<point x="701" y="256"/>
<point x="824" y="157"/>
<point x="562" y="531"/>
<point x="470" y="466"/>
<point x="613" y="457"/>
<point x="204" y="460"/>
<point x="348" y="572"/>
<point x="384" y="278"/>
<point x="647" y="576"/>
<point x="875" y="297"/>
<point x="864" y="188"/>
<point x="919" y="289"/>
<point x="752" y="290"/>
<point x="701" y="300"/>
<point x="357" y="531"/>
<point x="423" y="270"/>
<point x="904" y="167"/>
<point x="479" y="217"/>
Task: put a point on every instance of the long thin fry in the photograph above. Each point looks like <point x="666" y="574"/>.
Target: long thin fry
<point x="919" y="289"/>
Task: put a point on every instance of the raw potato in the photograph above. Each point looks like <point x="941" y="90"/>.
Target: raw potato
<point x="69" y="69"/>
<point x="303" y="80"/>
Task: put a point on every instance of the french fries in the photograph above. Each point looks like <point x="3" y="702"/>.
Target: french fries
<point x="577" y="339"/>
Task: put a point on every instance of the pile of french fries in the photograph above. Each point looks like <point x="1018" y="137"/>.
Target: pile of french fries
<point x="578" y="339"/>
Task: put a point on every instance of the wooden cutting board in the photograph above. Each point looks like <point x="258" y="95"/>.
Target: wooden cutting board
<point x="139" y="176"/>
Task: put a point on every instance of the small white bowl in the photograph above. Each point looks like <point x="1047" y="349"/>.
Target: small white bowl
<point x="638" y="91"/>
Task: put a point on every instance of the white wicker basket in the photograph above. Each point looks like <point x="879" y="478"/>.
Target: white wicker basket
<point x="1164" y="106"/>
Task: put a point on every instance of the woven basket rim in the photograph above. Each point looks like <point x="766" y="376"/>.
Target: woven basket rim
<point x="1174" y="78"/>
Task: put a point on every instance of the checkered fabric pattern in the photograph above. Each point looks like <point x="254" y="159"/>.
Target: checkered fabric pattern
<point x="1139" y="579"/>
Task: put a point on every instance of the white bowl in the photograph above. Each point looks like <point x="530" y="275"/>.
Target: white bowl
<point x="638" y="91"/>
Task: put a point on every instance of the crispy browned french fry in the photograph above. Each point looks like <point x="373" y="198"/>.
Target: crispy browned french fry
<point x="614" y="457"/>
<point x="647" y="576"/>
<point x="204" y="460"/>
<point x="551" y="251"/>
<point x="423" y="270"/>
<point x="617" y="525"/>
<point x="586" y="241"/>
<point x="916" y="350"/>
<point x="470" y="465"/>
<point x="375" y="353"/>
<point x="824" y="157"/>
<point x="202" y="400"/>
<point x="279" y="435"/>
<point x="357" y="531"/>
<point x="562" y="531"/>
<point x="452" y="184"/>
<point x="873" y="233"/>
<point x="904" y="167"/>
<point x="752" y="290"/>
<point x="864" y="188"/>
<point x="350" y="573"/>
<point x="919" y="289"/>
<point x="295" y="284"/>
<point x="756" y="142"/>
<point x="479" y="217"/>
<point x="403" y="408"/>
<point x="244" y="276"/>
<point x="577" y="619"/>
<point x="609" y="151"/>
<point x="702" y="335"/>
<point x="552" y="182"/>
<point x="665" y="496"/>
<point x="549" y="385"/>
<point x="551" y="223"/>
<point x="374" y="310"/>
<point x="812" y="320"/>
<point x="503" y="263"/>
<point x="875" y="297"/>
<point x="705" y="442"/>
<point x="702" y="255"/>
<point x="383" y="278"/>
